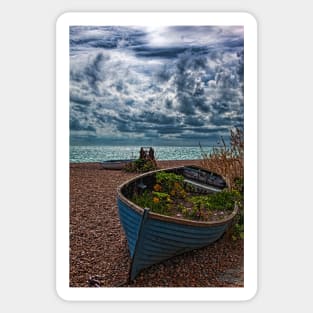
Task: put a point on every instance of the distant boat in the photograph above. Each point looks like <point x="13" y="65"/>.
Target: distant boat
<point x="116" y="164"/>
<point x="152" y="237"/>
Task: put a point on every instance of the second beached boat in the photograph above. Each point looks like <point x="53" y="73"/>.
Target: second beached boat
<point x="116" y="164"/>
<point x="153" y="237"/>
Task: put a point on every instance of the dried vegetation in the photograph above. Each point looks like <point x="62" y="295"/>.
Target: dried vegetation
<point x="227" y="161"/>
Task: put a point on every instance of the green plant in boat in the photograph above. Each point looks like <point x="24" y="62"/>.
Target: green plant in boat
<point x="168" y="180"/>
<point x="171" y="196"/>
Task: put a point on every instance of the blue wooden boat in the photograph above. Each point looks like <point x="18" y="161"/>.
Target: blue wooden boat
<point x="152" y="237"/>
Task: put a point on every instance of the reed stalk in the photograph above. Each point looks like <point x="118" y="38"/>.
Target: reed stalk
<point x="227" y="161"/>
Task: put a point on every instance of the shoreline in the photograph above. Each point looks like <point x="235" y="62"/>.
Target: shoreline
<point x="160" y="162"/>
<point x="98" y="246"/>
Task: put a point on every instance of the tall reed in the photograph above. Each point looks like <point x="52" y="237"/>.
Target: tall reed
<point x="227" y="161"/>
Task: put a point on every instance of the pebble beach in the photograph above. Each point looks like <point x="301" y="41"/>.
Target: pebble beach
<point x="99" y="254"/>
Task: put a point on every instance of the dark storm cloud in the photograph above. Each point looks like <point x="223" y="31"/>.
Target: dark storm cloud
<point x="171" y="83"/>
<point x="164" y="74"/>
<point x="223" y="120"/>
<point x="157" y="118"/>
<point x="169" y="130"/>
<point x="193" y="121"/>
<point x="93" y="72"/>
<point x="125" y="127"/>
<point x="188" y="78"/>
<point x="75" y="124"/>
<point x="148" y="52"/>
<point x="80" y="100"/>
<point x="206" y="130"/>
<point x="234" y="43"/>
<point x="148" y="122"/>
<point x="106" y="37"/>
<point x="240" y="67"/>
<point x="90" y="73"/>
<point x="168" y="103"/>
<point x="165" y="52"/>
<point x="197" y="138"/>
<point x="80" y="109"/>
<point x="102" y="118"/>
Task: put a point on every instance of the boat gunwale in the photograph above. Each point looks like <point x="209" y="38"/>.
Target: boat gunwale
<point x="167" y="218"/>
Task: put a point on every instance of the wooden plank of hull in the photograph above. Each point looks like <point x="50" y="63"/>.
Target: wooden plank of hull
<point x="130" y="220"/>
<point x="161" y="240"/>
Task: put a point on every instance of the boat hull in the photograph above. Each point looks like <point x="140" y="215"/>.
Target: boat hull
<point x="153" y="238"/>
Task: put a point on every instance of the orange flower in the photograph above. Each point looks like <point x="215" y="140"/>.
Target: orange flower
<point x="177" y="185"/>
<point x="157" y="187"/>
<point x="156" y="200"/>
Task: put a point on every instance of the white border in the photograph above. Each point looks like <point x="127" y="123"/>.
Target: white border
<point x="62" y="157"/>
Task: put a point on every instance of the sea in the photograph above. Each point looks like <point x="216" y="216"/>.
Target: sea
<point x="94" y="153"/>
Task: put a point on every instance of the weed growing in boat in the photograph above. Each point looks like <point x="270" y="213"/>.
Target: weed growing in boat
<point x="171" y="196"/>
<point x="158" y="202"/>
<point x="214" y="206"/>
<point x="169" y="180"/>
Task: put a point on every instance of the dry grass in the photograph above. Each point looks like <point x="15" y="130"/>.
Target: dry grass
<point x="227" y="161"/>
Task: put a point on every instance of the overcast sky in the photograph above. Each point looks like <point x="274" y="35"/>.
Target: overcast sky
<point x="177" y="85"/>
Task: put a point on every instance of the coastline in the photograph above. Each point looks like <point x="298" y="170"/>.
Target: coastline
<point x="98" y="246"/>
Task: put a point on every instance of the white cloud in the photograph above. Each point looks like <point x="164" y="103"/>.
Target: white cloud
<point x="114" y="89"/>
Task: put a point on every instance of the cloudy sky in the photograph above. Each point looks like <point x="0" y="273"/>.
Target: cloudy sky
<point x="177" y="85"/>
